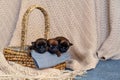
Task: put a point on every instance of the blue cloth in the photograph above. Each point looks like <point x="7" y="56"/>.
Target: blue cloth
<point x="47" y="60"/>
<point x="105" y="70"/>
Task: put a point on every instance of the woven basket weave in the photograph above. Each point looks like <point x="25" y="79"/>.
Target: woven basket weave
<point x="19" y="54"/>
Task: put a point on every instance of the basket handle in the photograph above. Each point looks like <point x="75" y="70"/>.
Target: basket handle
<point x="25" y="24"/>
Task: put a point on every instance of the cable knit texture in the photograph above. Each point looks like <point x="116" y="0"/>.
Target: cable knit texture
<point x="9" y="11"/>
<point x="91" y="25"/>
<point x="111" y="47"/>
<point x="102" y="21"/>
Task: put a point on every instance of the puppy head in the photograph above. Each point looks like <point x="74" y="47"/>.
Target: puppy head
<point x="53" y="45"/>
<point x="40" y="45"/>
<point x="64" y="44"/>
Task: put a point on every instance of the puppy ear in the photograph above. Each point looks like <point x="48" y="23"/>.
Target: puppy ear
<point x="71" y="44"/>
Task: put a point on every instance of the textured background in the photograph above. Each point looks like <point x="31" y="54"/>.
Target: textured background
<point x="91" y="25"/>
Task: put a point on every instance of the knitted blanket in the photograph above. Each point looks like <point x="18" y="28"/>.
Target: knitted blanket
<point x="91" y="25"/>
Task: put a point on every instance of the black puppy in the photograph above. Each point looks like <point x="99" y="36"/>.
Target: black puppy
<point x="64" y="44"/>
<point x="40" y="45"/>
<point x="53" y="47"/>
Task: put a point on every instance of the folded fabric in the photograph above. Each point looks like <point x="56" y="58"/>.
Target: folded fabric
<point x="48" y="60"/>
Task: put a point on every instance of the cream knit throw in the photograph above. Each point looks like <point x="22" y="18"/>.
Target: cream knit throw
<point x="18" y="72"/>
<point x="9" y="11"/>
<point x="91" y="25"/>
<point x="111" y="46"/>
<point x="102" y="21"/>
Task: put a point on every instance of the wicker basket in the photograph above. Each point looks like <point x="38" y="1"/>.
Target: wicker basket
<point x="20" y="54"/>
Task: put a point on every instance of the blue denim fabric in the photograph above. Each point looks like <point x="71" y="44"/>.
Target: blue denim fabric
<point x="105" y="70"/>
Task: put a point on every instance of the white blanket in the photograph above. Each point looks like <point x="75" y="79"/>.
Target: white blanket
<point x="11" y="70"/>
<point x="91" y="25"/>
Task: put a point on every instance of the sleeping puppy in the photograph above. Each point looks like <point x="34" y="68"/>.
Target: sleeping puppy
<point x="64" y="44"/>
<point x="40" y="45"/>
<point x="53" y="47"/>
